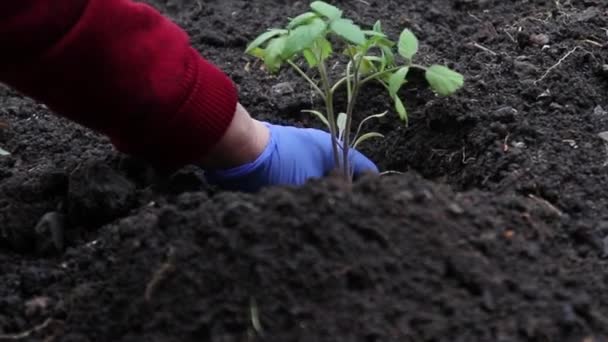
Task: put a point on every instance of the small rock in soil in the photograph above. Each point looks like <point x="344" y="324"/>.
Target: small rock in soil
<point x="37" y="306"/>
<point x="599" y="111"/>
<point x="50" y="232"/>
<point x="519" y="144"/>
<point x="284" y="88"/>
<point x="97" y="194"/>
<point x="454" y="208"/>
<point x="539" y="39"/>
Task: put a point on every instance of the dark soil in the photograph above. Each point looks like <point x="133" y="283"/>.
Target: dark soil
<point x="496" y="231"/>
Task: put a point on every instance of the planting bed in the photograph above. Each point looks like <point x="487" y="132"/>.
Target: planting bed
<point x="496" y="231"/>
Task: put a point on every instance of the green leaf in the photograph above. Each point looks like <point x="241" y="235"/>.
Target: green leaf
<point x="374" y="33"/>
<point x="367" y="136"/>
<point x="368" y="64"/>
<point x="374" y="59"/>
<point x="400" y="108"/>
<point x="347" y="30"/>
<point x="408" y="44"/>
<point x="303" y="37"/>
<point x="310" y="57"/>
<point x="388" y="55"/>
<point x="374" y="116"/>
<point x="371" y="64"/>
<point x="378" y="26"/>
<point x="319" y="115"/>
<point x="4" y="152"/>
<point x="397" y="80"/>
<point x="274" y="50"/>
<point x="329" y="11"/>
<point x="377" y="41"/>
<point x="258" y="52"/>
<point x="325" y="47"/>
<point x="321" y="47"/>
<point x="351" y="51"/>
<point x="384" y="42"/>
<point x="263" y="38"/>
<point x="302" y="19"/>
<point x="443" y="80"/>
<point x="383" y="62"/>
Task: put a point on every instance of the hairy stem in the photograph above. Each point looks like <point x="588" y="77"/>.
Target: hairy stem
<point x="308" y="79"/>
<point x="329" y="104"/>
<point x="378" y="74"/>
<point x="349" y="81"/>
<point x="352" y="99"/>
<point x="340" y="82"/>
<point x="387" y="71"/>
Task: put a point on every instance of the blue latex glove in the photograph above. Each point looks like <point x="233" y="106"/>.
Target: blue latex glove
<point x="293" y="156"/>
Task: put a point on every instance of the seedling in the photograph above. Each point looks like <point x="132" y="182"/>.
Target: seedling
<point x="371" y="57"/>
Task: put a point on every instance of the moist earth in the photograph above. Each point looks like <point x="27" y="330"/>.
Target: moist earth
<point x="489" y="227"/>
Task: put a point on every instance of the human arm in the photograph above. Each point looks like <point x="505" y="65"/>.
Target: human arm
<point x="120" y="68"/>
<point x="124" y="70"/>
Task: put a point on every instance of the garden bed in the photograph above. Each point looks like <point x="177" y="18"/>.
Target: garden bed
<point x="494" y="229"/>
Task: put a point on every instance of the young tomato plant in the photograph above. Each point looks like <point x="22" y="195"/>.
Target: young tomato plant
<point x="371" y="57"/>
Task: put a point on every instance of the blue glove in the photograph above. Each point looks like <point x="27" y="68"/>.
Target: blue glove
<point x="293" y="155"/>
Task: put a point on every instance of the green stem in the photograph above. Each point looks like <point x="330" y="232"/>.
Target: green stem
<point x="418" y="66"/>
<point x="387" y="71"/>
<point x="329" y="104"/>
<point x="349" y="84"/>
<point x="340" y="83"/>
<point x="303" y="74"/>
<point x="379" y="74"/>
<point x="349" y="117"/>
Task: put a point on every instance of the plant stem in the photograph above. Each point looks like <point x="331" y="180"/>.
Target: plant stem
<point x="352" y="99"/>
<point x="382" y="73"/>
<point x="418" y="66"/>
<point x="329" y="104"/>
<point x="340" y="83"/>
<point x="303" y="74"/>
<point x="349" y="84"/>
<point x="378" y="74"/>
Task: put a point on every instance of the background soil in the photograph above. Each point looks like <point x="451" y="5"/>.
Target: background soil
<point x="496" y="231"/>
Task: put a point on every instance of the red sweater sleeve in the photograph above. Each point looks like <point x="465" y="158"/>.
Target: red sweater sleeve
<point x="120" y="68"/>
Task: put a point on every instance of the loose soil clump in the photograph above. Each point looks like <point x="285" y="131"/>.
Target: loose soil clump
<point x="492" y="228"/>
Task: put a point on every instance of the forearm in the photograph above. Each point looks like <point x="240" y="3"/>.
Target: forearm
<point x="243" y="142"/>
<point x="121" y="68"/>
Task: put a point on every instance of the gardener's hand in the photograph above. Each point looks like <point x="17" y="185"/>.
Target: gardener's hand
<point x="290" y="156"/>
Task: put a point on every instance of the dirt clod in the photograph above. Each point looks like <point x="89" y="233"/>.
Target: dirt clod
<point x="490" y="225"/>
<point x="98" y="194"/>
